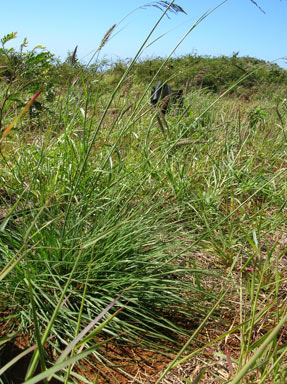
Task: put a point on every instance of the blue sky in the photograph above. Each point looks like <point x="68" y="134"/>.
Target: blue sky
<point x="237" y="25"/>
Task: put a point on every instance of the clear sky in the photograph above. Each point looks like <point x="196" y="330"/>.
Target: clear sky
<point x="60" y="25"/>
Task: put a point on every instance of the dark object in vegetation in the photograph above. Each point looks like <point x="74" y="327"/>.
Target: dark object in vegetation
<point x="163" y="94"/>
<point x="35" y="110"/>
<point x="17" y="372"/>
<point x="6" y="74"/>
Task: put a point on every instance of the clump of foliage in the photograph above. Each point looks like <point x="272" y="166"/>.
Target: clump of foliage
<point x="30" y="70"/>
<point x="212" y="73"/>
<point x="22" y="74"/>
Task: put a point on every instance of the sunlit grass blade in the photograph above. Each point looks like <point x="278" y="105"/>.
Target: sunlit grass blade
<point x="25" y="109"/>
<point x="81" y="335"/>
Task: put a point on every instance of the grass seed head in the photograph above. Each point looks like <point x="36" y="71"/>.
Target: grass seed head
<point x="107" y="36"/>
